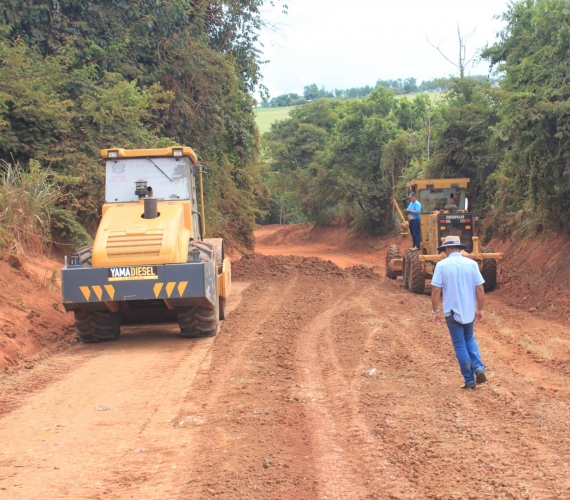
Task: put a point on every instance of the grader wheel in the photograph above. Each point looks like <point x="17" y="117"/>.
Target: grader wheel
<point x="417" y="280"/>
<point x="406" y="268"/>
<point x="489" y="271"/>
<point x="392" y="253"/>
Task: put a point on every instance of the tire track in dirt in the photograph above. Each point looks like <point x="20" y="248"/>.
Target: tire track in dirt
<point x="328" y="422"/>
<point x="69" y="449"/>
<point x="331" y="381"/>
<point x="70" y="435"/>
<point x="457" y="443"/>
<point x="323" y="383"/>
<point x="236" y="444"/>
<point x="202" y="407"/>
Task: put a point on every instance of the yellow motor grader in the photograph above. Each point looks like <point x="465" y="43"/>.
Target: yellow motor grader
<point x="444" y="213"/>
<point x="149" y="261"/>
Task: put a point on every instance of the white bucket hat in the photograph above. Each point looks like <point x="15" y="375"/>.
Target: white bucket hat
<point x="451" y="241"/>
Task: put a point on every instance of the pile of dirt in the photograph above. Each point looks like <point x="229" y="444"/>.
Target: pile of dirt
<point x="280" y="234"/>
<point x="361" y="272"/>
<point x="33" y="323"/>
<point x="254" y="266"/>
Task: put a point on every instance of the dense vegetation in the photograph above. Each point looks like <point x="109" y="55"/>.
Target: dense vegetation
<point x="335" y="161"/>
<point x="341" y="161"/>
<point x="76" y="77"/>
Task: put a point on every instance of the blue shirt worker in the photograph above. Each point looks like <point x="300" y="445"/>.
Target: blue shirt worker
<point x="461" y="282"/>
<point x="414" y="210"/>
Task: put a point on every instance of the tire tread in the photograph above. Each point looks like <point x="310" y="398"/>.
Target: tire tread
<point x="393" y="252"/>
<point x="417" y="277"/>
<point x="489" y="271"/>
<point x="97" y="326"/>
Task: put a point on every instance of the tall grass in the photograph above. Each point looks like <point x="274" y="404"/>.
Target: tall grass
<point x="27" y="197"/>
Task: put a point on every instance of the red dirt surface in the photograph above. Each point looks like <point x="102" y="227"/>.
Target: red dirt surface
<point x="325" y="381"/>
<point x="336" y="244"/>
<point x="33" y="323"/>
<point x="536" y="273"/>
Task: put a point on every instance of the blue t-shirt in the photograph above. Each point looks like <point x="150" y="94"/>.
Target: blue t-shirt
<point x="458" y="276"/>
<point x="415" y="205"/>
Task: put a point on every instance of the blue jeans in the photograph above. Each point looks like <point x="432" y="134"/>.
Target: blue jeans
<point x="415" y="230"/>
<point x="466" y="348"/>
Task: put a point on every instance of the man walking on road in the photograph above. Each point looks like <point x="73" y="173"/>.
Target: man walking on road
<point x="414" y="210"/>
<point x="462" y="284"/>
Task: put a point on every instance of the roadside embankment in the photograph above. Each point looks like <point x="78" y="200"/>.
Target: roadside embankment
<point x="33" y="323"/>
<point x="535" y="274"/>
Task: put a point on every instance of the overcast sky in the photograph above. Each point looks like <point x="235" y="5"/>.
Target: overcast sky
<point x="352" y="43"/>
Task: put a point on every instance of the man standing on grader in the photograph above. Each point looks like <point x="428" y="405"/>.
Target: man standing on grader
<point x="430" y="219"/>
<point x="414" y="210"/>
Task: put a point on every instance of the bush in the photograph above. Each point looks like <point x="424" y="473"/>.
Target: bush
<point x="27" y="199"/>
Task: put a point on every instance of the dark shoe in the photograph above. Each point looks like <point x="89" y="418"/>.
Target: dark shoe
<point x="471" y="386"/>
<point x="480" y="376"/>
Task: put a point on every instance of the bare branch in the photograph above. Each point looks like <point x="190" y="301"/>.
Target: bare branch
<point x="462" y="51"/>
<point x="436" y="47"/>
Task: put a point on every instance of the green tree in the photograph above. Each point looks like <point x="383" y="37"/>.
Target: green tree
<point x="291" y="147"/>
<point x="62" y="116"/>
<point x="312" y="92"/>
<point x="352" y="162"/>
<point x="534" y="128"/>
<point x="464" y="139"/>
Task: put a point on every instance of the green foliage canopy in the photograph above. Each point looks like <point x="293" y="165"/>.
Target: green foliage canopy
<point x="534" y="127"/>
<point x="121" y="74"/>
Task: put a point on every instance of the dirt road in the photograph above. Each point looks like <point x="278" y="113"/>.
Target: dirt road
<point x="323" y="383"/>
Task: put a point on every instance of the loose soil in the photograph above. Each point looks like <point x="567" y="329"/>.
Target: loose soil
<point x="33" y="323"/>
<point x="536" y="273"/>
<point x="327" y="380"/>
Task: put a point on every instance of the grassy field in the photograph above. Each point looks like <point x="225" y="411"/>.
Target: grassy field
<point x="434" y="96"/>
<point x="266" y="116"/>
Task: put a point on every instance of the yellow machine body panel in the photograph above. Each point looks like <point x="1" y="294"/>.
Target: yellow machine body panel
<point x="438" y="183"/>
<point x="428" y="221"/>
<point x="175" y="151"/>
<point x="125" y="238"/>
<point x="225" y="279"/>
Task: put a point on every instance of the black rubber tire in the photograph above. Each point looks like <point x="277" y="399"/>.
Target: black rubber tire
<point x="393" y="252"/>
<point x="406" y="268"/>
<point x="198" y="321"/>
<point x="222" y="308"/>
<point x="97" y="326"/>
<point x="417" y="279"/>
<point x="489" y="271"/>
